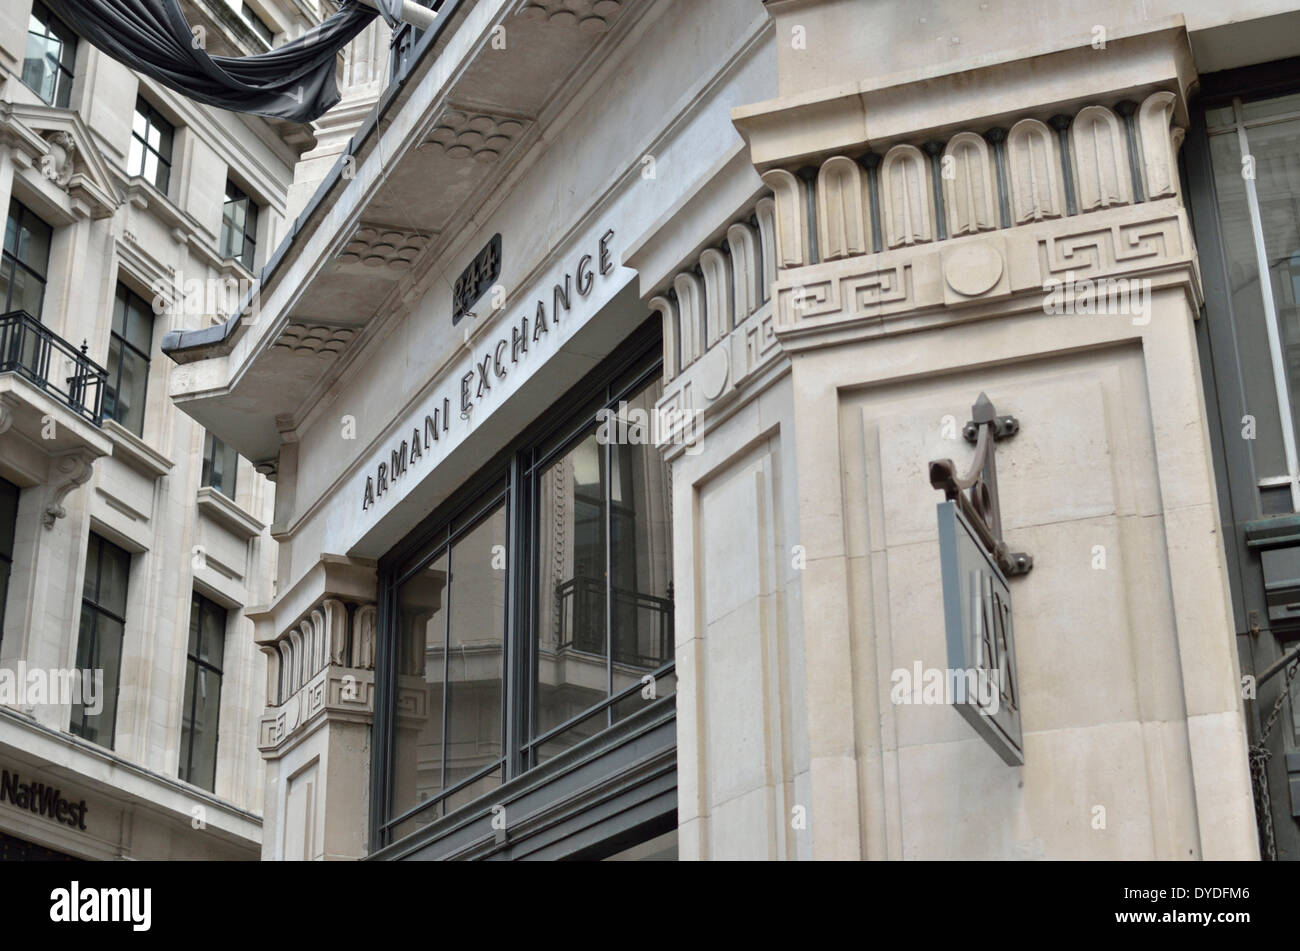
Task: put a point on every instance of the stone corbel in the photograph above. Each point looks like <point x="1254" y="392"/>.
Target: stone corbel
<point x="72" y="469"/>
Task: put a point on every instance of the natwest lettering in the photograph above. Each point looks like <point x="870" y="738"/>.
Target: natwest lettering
<point x="47" y="801"/>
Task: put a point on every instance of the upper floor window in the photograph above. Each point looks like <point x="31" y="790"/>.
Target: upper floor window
<point x="203" y="663"/>
<point x="24" y="261"/>
<point x="51" y="56"/>
<point x="526" y="620"/>
<point x="151" y="146"/>
<point x="8" y="529"/>
<point x="239" y="227"/>
<point x="129" y="346"/>
<point x="99" y="643"/>
<point x="220" y="465"/>
<point x="258" y="25"/>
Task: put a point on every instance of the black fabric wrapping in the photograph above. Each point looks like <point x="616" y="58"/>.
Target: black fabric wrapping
<point x="294" y="81"/>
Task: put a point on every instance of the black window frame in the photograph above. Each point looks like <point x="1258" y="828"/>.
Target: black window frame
<point x="246" y="253"/>
<point x="8" y="539"/>
<point x="112" y="386"/>
<point x="199" y="606"/>
<point x="98" y="610"/>
<point x="509" y="478"/>
<point x="10" y="261"/>
<point x="153" y="119"/>
<point x="65" y="74"/>
<point x="229" y="467"/>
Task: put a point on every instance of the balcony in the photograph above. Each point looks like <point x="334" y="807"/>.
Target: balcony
<point x="643" y="623"/>
<point x="47" y="361"/>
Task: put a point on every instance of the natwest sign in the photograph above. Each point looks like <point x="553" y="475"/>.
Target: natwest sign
<point x="47" y="801"/>
<point x="489" y="368"/>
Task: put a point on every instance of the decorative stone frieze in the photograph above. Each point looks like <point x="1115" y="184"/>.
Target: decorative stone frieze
<point x="322" y="665"/>
<point x="316" y="339"/>
<point x="907" y="197"/>
<point x="843" y="209"/>
<point x="1044" y="175"/>
<point x="381" y="246"/>
<point x="476" y="135"/>
<point x="1099" y="158"/>
<point x="1034" y="163"/>
<point x="970" y="189"/>
<point x="718" y="330"/>
<point x="589" y="16"/>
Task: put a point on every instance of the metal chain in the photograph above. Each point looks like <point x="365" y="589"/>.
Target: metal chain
<point x="1259" y="757"/>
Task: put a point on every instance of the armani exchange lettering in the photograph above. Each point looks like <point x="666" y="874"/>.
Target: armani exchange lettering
<point x="103" y="904"/>
<point x="491" y="366"/>
<point x="42" y="799"/>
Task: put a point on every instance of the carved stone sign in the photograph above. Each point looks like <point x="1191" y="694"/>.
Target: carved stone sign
<point x="486" y="368"/>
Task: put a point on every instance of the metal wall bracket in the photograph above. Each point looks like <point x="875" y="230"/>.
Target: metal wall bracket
<point x="976" y="492"/>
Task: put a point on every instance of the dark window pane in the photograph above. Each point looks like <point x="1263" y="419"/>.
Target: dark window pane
<point x="199" y="726"/>
<point x="220" y="465"/>
<point x="640" y="550"/>
<point x="25" y="261"/>
<point x="200" y="715"/>
<point x="50" y="56"/>
<point x="129" y="347"/>
<point x="8" y="528"/>
<point x="99" y="644"/>
<point x="476" y="641"/>
<point x="572" y="666"/>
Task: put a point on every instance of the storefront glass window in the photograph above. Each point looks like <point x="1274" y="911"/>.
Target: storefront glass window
<point x="529" y="618"/>
<point x="1255" y="149"/>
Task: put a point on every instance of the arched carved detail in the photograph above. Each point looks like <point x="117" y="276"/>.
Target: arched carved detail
<point x="673" y="353"/>
<point x="843" y="209"/>
<point x="1034" y="168"/>
<point x="970" y="186"/>
<point x="1099" y="157"/>
<point x="297" y="650"/>
<point x="285" y="678"/>
<point x="746" y="270"/>
<point x="718" y="313"/>
<point x="907" y="197"/>
<point x="791" y="218"/>
<point x="363" y="639"/>
<point x="320" y="632"/>
<point x="690" y="306"/>
<point x="1159" y="145"/>
<point x="765" y="212"/>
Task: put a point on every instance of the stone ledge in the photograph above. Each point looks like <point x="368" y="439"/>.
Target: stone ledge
<point x="222" y="510"/>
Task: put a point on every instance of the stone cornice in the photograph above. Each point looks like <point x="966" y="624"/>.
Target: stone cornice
<point x="932" y="104"/>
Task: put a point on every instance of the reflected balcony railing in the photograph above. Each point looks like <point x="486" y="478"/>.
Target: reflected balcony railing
<point x="643" y="623"/>
<point x="47" y="361"/>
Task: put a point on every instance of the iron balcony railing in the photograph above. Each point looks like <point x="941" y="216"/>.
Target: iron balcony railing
<point x="643" y="623"/>
<point x="42" y="357"/>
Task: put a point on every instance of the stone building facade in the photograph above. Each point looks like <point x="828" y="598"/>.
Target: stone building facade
<point x="132" y="541"/>
<point x="807" y="234"/>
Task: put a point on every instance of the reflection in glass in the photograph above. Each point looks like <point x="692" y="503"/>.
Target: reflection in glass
<point x="451" y="649"/>
<point x="1273" y="149"/>
<point x="422" y="636"/>
<point x="604" y="572"/>
<point x="476" y="648"/>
